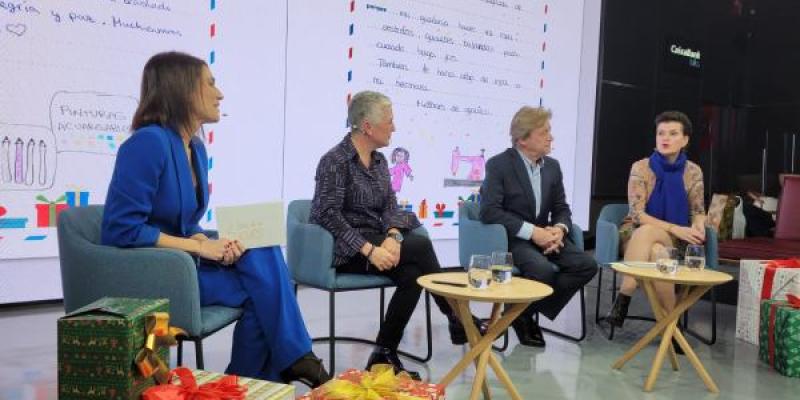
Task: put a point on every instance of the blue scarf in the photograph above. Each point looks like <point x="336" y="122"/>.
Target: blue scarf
<point x="669" y="201"/>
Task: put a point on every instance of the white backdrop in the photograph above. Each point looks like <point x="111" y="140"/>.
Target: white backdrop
<point x="456" y="72"/>
<point x="286" y="70"/>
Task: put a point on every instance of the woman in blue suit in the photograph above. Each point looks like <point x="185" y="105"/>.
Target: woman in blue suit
<point x="159" y="192"/>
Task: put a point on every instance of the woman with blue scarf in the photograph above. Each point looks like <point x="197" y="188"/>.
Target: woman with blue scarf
<point x="665" y="193"/>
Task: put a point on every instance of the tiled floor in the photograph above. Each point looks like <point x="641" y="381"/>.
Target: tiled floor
<point x="564" y="370"/>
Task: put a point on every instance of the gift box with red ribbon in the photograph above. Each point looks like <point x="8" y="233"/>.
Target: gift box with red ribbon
<point x="188" y="384"/>
<point x="47" y="213"/>
<point x="378" y="383"/>
<point x="113" y="349"/>
<point x="762" y="280"/>
<point x="779" y="335"/>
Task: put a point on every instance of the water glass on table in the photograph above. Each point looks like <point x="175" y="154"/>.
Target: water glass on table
<point x="478" y="272"/>
<point x="667" y="260"/>
<point x="695" y="257"/>
<point x="502" y="266"/>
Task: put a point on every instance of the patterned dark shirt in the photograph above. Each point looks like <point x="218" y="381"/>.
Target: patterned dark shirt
<point x="351" y="200"/>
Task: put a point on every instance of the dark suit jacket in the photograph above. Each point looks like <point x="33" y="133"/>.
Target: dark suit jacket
<point x="507" y="196"/>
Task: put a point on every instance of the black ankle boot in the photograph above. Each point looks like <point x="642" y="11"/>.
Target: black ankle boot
<point x="308" y="370"/>
<point x="616" y="317"/>
<point x="385" y="355"/>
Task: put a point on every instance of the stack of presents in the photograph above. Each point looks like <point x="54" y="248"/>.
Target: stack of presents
<point x="118" y="349"/>
<point x="768" y="312"/>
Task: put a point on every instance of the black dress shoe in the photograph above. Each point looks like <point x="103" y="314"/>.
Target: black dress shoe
<point x="536" y="333"/>
<point x="524" y="329"/>
<point x="457" y="333"/>
<point x="307" y="370"/>
<point x="385" y="355"/>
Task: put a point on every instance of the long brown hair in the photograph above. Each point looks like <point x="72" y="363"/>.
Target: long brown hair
<point x="169" y="83"/>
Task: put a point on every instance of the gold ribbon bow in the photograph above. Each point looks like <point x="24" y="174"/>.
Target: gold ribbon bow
<point x="380" y="383"/>
<point x="159" y="333"/>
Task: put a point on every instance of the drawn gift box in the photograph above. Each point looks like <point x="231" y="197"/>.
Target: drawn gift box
<point x="47" y="213"/>
<point x="441" y="212"/>
<point x="77" y="198"/>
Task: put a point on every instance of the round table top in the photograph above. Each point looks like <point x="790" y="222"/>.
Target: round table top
<point x="684" y="276"/>
<point x="519" y="290"/>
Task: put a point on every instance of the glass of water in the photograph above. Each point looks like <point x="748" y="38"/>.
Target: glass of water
<point x="502" y="264"/>
<point x="667" y="260"/>
<point x="695" y="257"/>
<point x="479" y="273"/>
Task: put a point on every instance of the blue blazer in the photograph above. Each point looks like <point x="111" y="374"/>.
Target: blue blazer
<point x="151" y="189"/>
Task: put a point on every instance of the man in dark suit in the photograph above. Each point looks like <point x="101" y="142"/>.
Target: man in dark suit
<point x="524" y="191"/>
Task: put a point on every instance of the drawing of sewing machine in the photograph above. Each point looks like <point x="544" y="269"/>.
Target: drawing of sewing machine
<point x="477" y="164"/>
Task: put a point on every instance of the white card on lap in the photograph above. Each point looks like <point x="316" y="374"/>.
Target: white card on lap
<point x="255" y="225"/>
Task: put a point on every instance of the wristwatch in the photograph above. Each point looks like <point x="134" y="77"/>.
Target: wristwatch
<point x="397" y="236"/>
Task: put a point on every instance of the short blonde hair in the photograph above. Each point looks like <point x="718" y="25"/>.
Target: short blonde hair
<point x="526" y="120"/>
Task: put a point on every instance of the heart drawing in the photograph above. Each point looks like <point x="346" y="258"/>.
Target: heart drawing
<point x="17" y="29"/>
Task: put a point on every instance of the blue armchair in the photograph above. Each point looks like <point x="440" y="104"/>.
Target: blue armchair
<point x="90" y="271"/>
<point x="475" y="237"/>
<point x="310" y="258"/>
<point x="607" y="252"/>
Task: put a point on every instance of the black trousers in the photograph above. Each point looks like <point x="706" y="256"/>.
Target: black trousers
<point x="417" y="258"/>
<point x="566" y="272"/>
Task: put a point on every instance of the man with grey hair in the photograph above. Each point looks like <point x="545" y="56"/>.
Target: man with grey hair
<point x="524" y="191"/>
<point x="354" y="201"/>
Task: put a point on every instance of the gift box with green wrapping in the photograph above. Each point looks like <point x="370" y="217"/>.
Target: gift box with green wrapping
<point x="113" y="348"/>
<point x="779" y="331"/>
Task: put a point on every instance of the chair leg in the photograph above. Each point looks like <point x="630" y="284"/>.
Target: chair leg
<point x="710" y="340"/>
<point x="597" y="318"/>
<point x="613" y="299"/>
<point x="198" y="353"/>
<point x="383" y="309"/>
<point x="180" y="352"/>
<point x="429" y="330"/>
<point x="583" y="323"/>
<point x="332" y="332"/>
<point x="504" y="346"/>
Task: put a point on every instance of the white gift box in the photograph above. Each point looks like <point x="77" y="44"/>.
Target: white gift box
<point x="751" y="282"/>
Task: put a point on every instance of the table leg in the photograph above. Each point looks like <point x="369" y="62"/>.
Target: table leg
<point x="666" y="341"/>
<point x="473" y="336"/>
<point x="690" y="354"/>
<point x="660" y="326"/>
<point x="484" y="344"/>
<point x="659" y="313"/>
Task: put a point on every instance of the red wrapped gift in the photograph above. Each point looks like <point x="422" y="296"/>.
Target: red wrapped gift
<point x="380" y="381"/>
<point x="47" y="213"/>
<point x="226" y="388"/>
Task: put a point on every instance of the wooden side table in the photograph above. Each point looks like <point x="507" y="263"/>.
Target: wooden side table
<point x="695" y="284"/>
<point x="519" y="292"/>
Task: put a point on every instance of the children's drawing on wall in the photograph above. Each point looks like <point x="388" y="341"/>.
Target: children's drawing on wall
<point x="476" y="165"/>
<point x="400" y="169"/>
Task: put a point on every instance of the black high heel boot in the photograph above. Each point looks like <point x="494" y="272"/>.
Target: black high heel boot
<point x="616" y="317"/>
<point x="308" y="370"/>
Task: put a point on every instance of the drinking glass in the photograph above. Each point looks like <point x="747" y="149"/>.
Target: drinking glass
<point x="479" y="273"/>
<point x="502" y="264"/>
<point x="667" y="260"/>
<point x="695" y="257"/>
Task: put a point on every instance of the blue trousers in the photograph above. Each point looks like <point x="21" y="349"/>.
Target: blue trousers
<point x="271" y="334"/>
